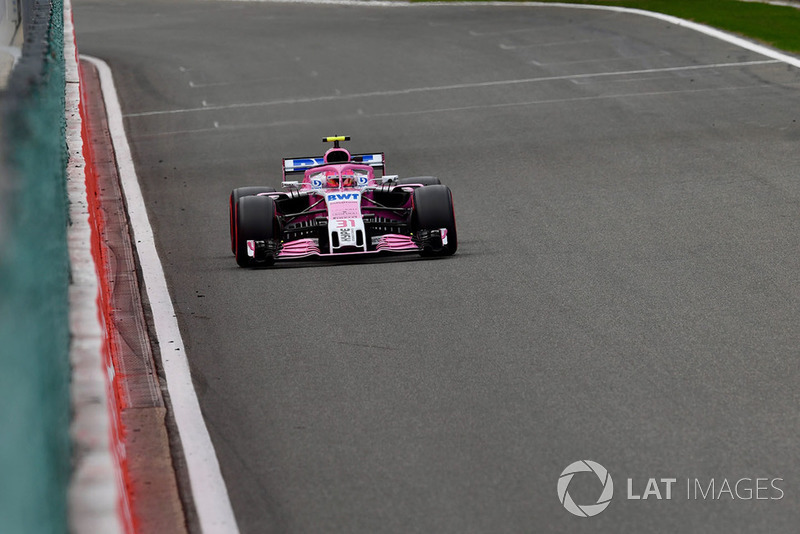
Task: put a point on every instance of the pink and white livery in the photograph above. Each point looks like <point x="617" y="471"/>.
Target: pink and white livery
<point x="340" y="207"/>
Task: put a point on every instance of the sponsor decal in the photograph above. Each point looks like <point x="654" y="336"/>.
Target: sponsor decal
<point x="336" y="197"/>
<point x="347" y="235"/>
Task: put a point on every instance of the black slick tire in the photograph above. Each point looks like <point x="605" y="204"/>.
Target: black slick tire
<point x="433" y="210"/>
<point x="254" y="220"/>
<point x="236" y="194"/>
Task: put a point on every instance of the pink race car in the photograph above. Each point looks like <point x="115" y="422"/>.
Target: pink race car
<point x="340" y="207"/>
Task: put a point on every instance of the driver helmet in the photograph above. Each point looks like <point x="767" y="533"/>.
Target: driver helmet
<point x="332" y="179"/>
<point x="348" y="179"/>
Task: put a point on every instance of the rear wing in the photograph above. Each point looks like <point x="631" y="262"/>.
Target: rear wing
<point x="300" y="165"/>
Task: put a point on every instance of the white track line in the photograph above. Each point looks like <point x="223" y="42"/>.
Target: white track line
<point x="776" y="55"/>
<point x="475" y="85"/>
<point x="702" y="28"/>
<point x="209" y="492"/>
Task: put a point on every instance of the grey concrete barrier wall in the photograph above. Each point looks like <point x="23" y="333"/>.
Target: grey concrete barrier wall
<point x="10" y="18"/>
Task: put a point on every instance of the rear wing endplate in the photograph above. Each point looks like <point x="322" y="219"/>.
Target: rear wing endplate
<point x="300" y="165"/>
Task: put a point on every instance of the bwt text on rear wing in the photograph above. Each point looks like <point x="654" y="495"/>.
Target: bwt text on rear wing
<point x="300" y="165"/>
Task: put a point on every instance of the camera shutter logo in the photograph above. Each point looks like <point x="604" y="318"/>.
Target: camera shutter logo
<point x="585" y="510"/>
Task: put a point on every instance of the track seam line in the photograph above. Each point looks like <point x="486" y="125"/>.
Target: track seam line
<point x="453" y="87"/>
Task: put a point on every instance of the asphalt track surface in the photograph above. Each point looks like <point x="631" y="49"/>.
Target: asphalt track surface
<point x="626" y="288"/>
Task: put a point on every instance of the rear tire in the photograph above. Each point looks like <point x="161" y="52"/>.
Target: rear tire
<point x="433" y="210"/>
<point x="236" y="194"/>
<point x="254" y="220"/>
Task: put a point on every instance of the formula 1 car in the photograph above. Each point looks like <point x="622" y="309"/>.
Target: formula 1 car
<point x="340" y="208"/>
